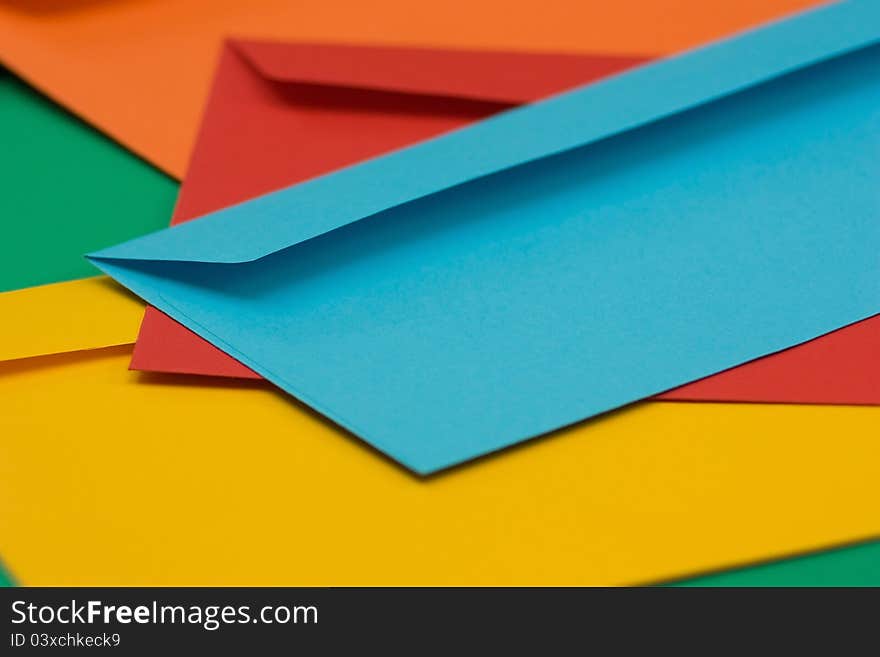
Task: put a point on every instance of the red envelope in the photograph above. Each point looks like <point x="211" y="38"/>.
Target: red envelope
<point x="280" y="113"/>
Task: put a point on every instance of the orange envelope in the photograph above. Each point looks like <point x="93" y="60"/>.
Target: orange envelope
<point x="140" y="69"/>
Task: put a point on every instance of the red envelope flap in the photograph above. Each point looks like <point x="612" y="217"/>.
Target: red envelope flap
<point x="506" y="77"/>
<point x="280" y="113"/>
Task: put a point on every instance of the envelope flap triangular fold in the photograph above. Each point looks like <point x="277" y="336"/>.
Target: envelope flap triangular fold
<point x="570" y="120"/>
<point x="560" y="260"/>
<point x="287" y="120"/>
<point x="284" y="130"/>
<point x="501" y="77"/>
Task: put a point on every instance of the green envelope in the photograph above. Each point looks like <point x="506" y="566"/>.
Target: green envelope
<point x="857" y="565"/>
<point x="67" y="190"/>
<point x="5" y="579"/>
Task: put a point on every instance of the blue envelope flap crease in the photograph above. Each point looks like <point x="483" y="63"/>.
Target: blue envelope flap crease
<point x="528" y="290"/>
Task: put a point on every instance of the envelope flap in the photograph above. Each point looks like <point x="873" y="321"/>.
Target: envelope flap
<point x="503" y="77"/>
<point x="571" y="120"/>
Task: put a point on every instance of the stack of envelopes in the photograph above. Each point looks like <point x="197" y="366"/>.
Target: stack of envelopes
<point x="439" y="253"/>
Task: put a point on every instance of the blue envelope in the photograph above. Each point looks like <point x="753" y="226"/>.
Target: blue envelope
<point x="559" y="260"/>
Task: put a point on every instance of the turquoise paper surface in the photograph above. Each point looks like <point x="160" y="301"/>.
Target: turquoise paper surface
<point x="560" y="260"/>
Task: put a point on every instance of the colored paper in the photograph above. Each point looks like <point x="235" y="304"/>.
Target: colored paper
<point x="556" y="261"/>
<point x="283" y="131"/>
<point x="102" y="61"/>
<point x="140" y="70"/>
<point x="67" y="190"/>
<point x="854" y="565"/>
<point x="182" y="482"/>
<point x="290" y="112"/>
<point x="857" y="565"/>
<point x="75" y="315"/>
<point x="842" y="367"/>
<point x="5" y="579"/>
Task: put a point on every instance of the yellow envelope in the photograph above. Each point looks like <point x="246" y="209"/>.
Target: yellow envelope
<point x="114" y="477"/>
<point x="75" y="315"/>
